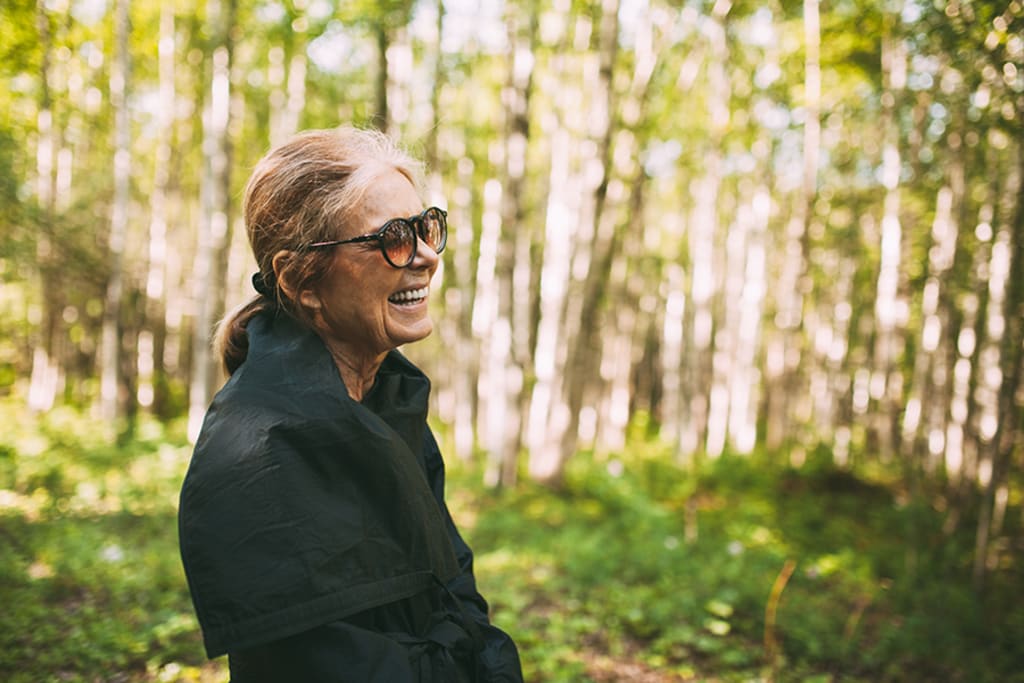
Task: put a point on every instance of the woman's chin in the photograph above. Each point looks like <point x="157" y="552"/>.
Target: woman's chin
<point x="407" y="332"/>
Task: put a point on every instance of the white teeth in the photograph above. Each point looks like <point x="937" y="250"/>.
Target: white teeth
<point x="409" y="295"/>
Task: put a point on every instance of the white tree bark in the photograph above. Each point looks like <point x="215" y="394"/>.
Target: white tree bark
<point x="890" y="309"/>
<point x="110" y="343"/>
<point x="492" y="334"/>
<point x="548" y="412"/>
<point x="745" y="381"/>
<point x="508" y="344"/>
<point x="45" y="375"/>
<point x="548" y="416"/>
<point x="917" y="410"/>
<point x="214" y="233"/>
<point x="156" y="278"/>
<point x="705" y="255"/>
<point x="1002" y="358"/>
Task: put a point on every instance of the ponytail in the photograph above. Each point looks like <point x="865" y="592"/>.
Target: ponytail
<point x="230" y="341"/>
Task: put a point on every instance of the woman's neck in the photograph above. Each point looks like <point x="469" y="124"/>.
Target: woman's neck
<point x="357" y="371"/>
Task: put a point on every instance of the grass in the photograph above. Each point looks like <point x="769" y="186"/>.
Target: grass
<point x="637" y="570"/>
<point x="92" y="583"/>
<point x="610" y="574"/>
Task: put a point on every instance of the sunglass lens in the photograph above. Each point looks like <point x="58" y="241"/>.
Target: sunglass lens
<point x="434" y="229"/>
<point x="399" y="243"/>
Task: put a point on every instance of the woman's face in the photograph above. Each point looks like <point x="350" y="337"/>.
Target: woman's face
<point x="368" y="307"/>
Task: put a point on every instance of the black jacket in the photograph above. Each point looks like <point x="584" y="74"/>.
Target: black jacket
<point x="314" y="532"/>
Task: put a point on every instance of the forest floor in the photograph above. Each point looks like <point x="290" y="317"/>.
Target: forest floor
<point x="635" y="570"/>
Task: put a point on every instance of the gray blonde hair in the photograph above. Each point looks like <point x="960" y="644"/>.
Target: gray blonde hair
<point x="302" y="192"/>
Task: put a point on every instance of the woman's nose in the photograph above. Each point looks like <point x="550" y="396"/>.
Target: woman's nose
<point x="425" y="256"/>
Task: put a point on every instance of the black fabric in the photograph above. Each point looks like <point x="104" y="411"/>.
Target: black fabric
<point x="414" y="640"/>
<point x="379" y="646"/>
<point x="405" y="642"/>
<point x="314" y="533"/>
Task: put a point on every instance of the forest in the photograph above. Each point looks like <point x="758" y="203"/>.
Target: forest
<point x="728" y="354"/>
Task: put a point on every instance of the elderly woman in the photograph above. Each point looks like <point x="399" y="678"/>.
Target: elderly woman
<point x="314" y="532"/>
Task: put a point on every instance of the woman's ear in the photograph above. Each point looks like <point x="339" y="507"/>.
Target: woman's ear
<point x="283" y="273"/>
<point x="309" y="299"/>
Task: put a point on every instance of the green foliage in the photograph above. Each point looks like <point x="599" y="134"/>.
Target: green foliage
<point x="636" y="565"/>
<point x="605" y="569"/>
<point x="88" y="554"/>
<point x="19" y="39"/>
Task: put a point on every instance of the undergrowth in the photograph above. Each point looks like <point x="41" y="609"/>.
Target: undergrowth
<point x="634" y="564"/>
<point x="643" y="559"/>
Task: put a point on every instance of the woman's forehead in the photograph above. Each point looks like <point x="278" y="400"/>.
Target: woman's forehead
<point x="390" y="195"/>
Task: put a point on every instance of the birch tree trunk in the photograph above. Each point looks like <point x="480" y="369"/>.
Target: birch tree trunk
<point x="970" y="343"/>
<point x="523" y="283"/>
<point x="583" y="363"/>
<point x="381" y="116"/>
<point x="939" y="410"/>
<point x="838" y="361"/>
<point x="456" y="397"/>
<point x="745" y="383"/>
<point x="45" y="366"/>
<point x="725" y="342"/>
<point x="286" y="77"/>
<point x="624" y="320"/>
<point x="676" y="426"/>
<point x="431" y="154"/>
<point x="548" y="413"/>
<point x="153" y="335"/>
<point x="631" y="314"/>
<point x="493" y="335"/>
<point x="400" y="80"/>
<point x="214" y="221"/>
<point x="460" y="405"/>
<point x="110" y="344"/>
<point x="788" y="402"/>
<point x="919" y="412"/>
<point x="672" y="352"/>
<point x="705" y="257"/>
<point x="548" y="417"/>
<point x="890" y="309"/>
<point x="296" y="101"/>
<point x="1003" y="360"/>
<point x="509" y="342"/>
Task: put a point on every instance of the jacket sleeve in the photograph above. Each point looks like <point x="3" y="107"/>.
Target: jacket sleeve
<point x="499" y="659"/>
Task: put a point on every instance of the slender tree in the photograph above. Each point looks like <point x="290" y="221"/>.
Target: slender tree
<point x="45" y="367"/>
<point x="110" y="360"/>
<point x="1006" y="335"/>
<point x="886" y="381"/>
<point x="509" y="343"/>
<point x="154" y="333"/>
<point x="704" y="240"/>
<point x="549" y="416"/>
<point x="604" y="227"/>
<point x="215" y="210"/>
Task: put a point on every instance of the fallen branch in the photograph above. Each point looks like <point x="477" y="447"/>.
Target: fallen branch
<point x="770" y="643"/>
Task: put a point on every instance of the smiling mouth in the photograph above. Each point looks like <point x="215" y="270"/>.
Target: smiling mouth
<point x="409" y="297"/>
